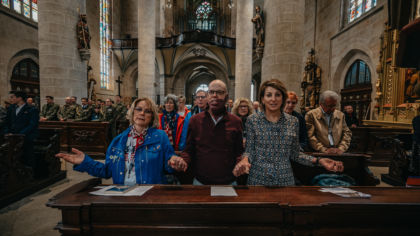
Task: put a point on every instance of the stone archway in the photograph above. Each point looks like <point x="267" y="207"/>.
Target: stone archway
<point x="193" y="72"/>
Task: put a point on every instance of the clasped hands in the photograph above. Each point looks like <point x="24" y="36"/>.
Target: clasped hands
<point x="178" y="164"/>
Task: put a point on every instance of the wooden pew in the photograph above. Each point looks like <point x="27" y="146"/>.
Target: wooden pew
<point x="374" y="141"/>
<point x="257" y="210"/>
<point x="89" y="137"/>
<point x="355" y="166"/>
<point x="17" y="180"/>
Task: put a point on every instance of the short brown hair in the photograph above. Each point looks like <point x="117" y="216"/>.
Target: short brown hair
<point x="151" y="104"/>
<point x="292" y="95"/>
<point x="274" y="83"/>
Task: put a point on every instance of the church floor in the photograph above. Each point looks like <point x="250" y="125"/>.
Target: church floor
<point x="30" y="216"/>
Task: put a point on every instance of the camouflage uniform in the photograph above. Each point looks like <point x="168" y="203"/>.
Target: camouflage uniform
<point x="109" y="114"/>
<point x="50" y="111"/>
<point x="84" y="113"/>
<point x="67" y="112"/>
<point x="121" y="112"/>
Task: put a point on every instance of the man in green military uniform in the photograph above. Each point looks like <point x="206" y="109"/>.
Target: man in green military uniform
<point x="110" y="115"/>
<point x="84" y="112"/>
<point x="121" y="109"/>
<point x="49" y="111"/>
<point x="68" y="111"/>
<point x="74" y="102"/>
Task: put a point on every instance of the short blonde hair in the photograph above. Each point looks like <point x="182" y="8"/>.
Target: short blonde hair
<point x="238" y="102"/>
<point x="151" y="104"/>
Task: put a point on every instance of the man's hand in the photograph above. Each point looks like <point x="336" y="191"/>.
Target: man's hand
<point x="177" y="163"/>
<point x="42" y="119"/>
<point x="242" y="167"/>
<point x="334" y="151"/>
<point x="75" y="159"/>
<point x="353" y="125"/>
<point x="331" y="165"/>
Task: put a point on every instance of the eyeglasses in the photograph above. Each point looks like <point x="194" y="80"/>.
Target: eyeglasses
<point x="243" y="106"/>
<point x="200" y="97"/>
<point x="290" y="102"/>
<point x="140" y="109"/>
<point x="218" y="92"/>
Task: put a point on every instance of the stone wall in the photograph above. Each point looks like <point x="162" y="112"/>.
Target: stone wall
<point x="336" y="46"/>
<point x="18" y="41"/>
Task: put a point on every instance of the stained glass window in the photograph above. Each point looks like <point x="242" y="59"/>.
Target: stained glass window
<point x="105" y="43"/>
<point x="359" y="7"/>
<point x="357" y="74"/>
<point x="5" y="3"/>
<point x="35" y="10"/>
<point x="26" y="8"/>
<point x="203" y="11"/>
<point x="17" y="6"/>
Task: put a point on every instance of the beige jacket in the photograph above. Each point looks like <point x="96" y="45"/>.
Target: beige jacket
<point x="318" y="130"/>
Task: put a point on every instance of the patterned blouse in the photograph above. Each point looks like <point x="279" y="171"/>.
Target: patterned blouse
<point x="270" y="147"/>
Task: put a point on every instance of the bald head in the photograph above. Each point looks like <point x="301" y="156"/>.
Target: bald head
<point x="218" y="96"/>
<point x="68" y="100"/>
<point x="219" y="84"/>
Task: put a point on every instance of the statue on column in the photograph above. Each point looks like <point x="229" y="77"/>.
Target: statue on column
<point x="83" y="37"/>
<point x="311" y="84"/>
<point x="258" y="21"/>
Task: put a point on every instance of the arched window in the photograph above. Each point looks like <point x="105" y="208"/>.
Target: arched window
<point x="356" y="8"/>
<point x="28" y="8"/>
<point x="357" y="89"/>
<point x="105" y="43"/>
<point x="25" y="77"/>
<point x="357" y="75"/>
<point x="203" y="87"/>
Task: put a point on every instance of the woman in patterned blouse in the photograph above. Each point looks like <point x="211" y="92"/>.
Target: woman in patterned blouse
<point x="272" y="141"/>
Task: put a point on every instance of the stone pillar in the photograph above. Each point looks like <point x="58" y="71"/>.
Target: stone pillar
<point x="146" y="49"/>
<point x="62" y="72"/>
<point x="283" y="52"/>
<point x="243" y="54"/>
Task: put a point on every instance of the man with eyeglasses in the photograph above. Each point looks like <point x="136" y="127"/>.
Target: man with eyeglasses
<point x="327" y="128"/>
<point x="201" y="100"/>
<point x="214" y="141"/>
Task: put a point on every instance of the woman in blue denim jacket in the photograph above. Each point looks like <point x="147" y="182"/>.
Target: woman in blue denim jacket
<point x="139" y="155"/>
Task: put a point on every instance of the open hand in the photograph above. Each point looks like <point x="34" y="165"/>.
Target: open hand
<point x="75" y="158"/>
<point x="242" y="167"/>
<point x="177" y="163"/>
<point x="331" y="165"/>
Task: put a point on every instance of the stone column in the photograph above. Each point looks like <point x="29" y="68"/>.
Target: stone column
<point x="283" y="52"/>
<point x="146" y="49"/>
<point x="62" y="72"/>
<point x="243" y="53"/>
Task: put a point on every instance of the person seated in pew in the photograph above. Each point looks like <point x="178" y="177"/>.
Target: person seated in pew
<point x="273" y="141"/>
<point x="327" y="128"/>
<point x="139" y="155"/>
<point x="84" y="112"/>
<point x="68" y="111"/>
<point x="97" y="114"/>
<point x="49" y="111"/>
<point x="351" y="118"/>
<point x="214" y="141"/>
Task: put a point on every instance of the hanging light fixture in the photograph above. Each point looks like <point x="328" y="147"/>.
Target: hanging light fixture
<point x="231" y="4"/>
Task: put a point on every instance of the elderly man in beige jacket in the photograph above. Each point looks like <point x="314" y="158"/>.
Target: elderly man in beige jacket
<point x="327" y="128"/>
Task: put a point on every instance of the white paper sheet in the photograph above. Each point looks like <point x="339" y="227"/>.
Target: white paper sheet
<point x="136" y="191"/>
<point x="345" y="192"/>
<point x="223" y="191"/>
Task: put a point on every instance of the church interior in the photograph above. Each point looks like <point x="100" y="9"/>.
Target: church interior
<point x="366" y="51"/>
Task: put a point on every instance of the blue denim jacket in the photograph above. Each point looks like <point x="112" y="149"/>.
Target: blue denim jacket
<point x="151" y="159"/>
